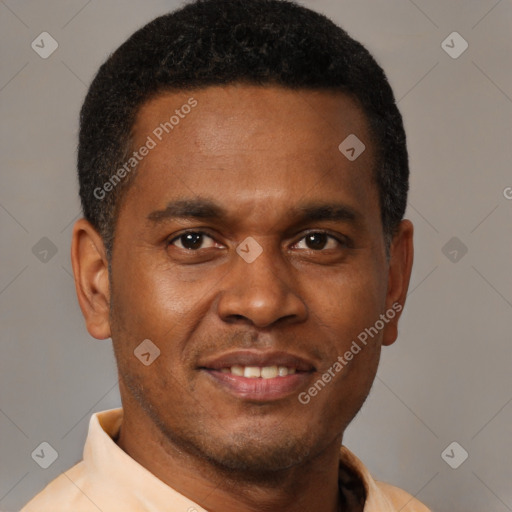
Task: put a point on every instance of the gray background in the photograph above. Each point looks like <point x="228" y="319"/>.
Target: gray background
<point x="446" y="379"/>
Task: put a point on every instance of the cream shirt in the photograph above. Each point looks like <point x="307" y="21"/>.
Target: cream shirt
<point x="109" y="480"/>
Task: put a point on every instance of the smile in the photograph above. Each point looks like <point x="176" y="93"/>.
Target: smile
<point x="259" y="376"/>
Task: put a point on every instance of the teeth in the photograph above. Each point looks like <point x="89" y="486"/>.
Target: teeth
<point x="269" y="372"/>
<point x="237" y="370"/>
<point x="283" y="371"/>
<point x="255" y="372"/>
<point x="252" y="372"/>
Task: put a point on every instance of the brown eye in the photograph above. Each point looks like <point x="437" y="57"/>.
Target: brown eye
<point x="318" y="241"/>
<point x="192" y="241"/>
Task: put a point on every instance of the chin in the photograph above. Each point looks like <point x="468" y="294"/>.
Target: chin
<point x="256" y="456"/>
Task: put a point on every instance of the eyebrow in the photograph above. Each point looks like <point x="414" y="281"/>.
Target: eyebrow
<point x="207" y="209"/>
<point x="326" y="211"/>
<point x="189" y="208"/>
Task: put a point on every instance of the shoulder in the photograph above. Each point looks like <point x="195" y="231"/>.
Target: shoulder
<point x="62" y="495"/>
<point x="400" y="499"/>
<point x="380" y="496"/>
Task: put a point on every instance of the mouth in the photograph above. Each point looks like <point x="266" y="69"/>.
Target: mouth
<point x="259" y="376"/>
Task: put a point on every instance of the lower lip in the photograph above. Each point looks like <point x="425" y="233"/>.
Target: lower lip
<point x="259" y="389"/>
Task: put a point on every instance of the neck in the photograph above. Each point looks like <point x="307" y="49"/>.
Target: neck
<point x="312" y="485"/>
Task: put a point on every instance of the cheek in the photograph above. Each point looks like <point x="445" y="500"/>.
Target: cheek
<point x="153" y="303"/>
<point x="351" y="301"/>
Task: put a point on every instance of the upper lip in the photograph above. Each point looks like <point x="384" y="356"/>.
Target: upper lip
<point x="258" y="358"/>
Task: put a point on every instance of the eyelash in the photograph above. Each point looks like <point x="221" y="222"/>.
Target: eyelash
<point x="344" y="242"/>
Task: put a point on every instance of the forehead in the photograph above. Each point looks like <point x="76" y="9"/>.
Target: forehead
<point x="247" y="144"/>
<point x="280" y="117"/>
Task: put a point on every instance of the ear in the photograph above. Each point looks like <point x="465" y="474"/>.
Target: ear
<point x="400" y="266"/>
<point x="90" y="268"/>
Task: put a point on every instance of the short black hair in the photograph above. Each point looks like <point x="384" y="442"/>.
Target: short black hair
<point x="222" y="42"/>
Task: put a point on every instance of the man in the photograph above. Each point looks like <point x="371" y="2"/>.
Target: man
<point x="243" y="175"/>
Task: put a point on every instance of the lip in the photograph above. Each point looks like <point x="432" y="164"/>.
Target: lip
<point x="259" y="389"/>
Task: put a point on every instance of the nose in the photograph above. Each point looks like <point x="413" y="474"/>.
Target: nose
<point x="261" y="293"/>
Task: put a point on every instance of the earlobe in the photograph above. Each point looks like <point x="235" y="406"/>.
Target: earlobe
<point x="90" y="269"/>
<point x="400" y="267"/>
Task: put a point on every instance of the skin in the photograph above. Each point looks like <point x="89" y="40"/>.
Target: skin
<point x="259" y="153"/>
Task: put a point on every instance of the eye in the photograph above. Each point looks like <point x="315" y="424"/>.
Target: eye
<point x="192" y="241"/>
<point x="318" y="241"/>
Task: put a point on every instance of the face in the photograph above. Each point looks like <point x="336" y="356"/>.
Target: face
<point x="250" y="251"/>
